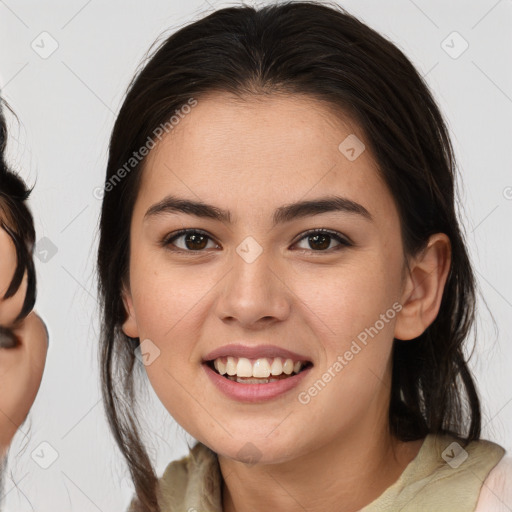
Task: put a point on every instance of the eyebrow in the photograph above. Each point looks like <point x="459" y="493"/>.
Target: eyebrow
<point x="286" y="213"/>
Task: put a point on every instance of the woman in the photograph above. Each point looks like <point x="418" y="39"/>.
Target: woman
<point x="23" y="335"/>
<point x="279" y="250"/>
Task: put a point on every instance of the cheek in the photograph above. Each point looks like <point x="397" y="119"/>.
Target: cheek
<point x="169" y="306"/>
<point x="351" y="314"/>
<point x="344" y="301"/>
<point x="161" y="297"/>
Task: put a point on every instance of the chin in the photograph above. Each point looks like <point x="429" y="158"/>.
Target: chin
<point x="252" y="450"/>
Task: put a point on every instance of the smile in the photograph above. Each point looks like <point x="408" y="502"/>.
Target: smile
<point x="255" y="389"/>
<point x="257" y="371"/>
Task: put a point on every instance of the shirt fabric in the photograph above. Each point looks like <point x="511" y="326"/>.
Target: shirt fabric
<point x="443" y="477"/>
<point x="496" y="493"/>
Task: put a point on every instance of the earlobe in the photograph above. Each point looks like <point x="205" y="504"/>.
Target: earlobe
<point x="130" y="325"/>
<point x="423" y="288"/>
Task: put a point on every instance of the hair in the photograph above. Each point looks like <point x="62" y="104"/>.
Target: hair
<point x="18" y="223"/>
<point x="322" y="52"/>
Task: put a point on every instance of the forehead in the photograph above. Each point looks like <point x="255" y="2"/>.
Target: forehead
<point x="265" y="147"/>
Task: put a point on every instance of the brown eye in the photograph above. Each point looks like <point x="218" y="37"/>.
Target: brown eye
<point x="193" y="240"/>
<point x="319" y="240"/>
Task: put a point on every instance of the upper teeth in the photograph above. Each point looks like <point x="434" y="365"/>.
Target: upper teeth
<point x="262" y="368"/>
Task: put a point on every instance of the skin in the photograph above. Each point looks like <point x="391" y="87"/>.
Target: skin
<point x="250" y="158"/>
<point x="21" y="367"/>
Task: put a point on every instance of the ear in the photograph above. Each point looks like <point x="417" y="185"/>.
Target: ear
<point x="423" y="288"/>
<point x="130" y="324"/>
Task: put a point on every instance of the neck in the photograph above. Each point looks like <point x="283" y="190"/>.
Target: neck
<point x="344" y="475"/>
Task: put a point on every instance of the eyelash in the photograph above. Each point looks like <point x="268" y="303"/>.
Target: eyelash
<point x="344" y="242"/>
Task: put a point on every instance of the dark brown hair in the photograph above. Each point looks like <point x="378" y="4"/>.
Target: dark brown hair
<point x="17" y="221"/>
<point x="319" y="50"/>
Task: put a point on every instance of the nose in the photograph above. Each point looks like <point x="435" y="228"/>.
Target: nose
<point x="254" y="293"/>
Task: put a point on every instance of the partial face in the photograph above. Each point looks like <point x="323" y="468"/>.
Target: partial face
<point x="252" y="282"/>
<point x="9" y="308"/>
<point x="21" y="367"/>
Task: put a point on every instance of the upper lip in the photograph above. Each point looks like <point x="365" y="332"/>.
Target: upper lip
<point x="253" y="352"/>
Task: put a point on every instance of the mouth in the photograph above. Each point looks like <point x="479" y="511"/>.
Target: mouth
<point x="257" y="371"/>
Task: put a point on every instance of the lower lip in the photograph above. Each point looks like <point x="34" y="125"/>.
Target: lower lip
<point x="254" y="392"/>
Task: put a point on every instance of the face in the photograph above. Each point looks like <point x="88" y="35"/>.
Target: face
<point x="251" y="282"/>
<point x="21" y="367"/>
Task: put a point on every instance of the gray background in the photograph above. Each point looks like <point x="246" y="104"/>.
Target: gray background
<point x="66" y="103"/>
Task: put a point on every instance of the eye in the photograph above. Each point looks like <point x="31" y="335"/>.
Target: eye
<point x="320" y="240"/>
<point x="194" y="240"/>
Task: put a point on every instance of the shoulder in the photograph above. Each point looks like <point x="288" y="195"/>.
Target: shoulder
<point x="446" y="475"/>
<point x="187" y="483"/>
<point x="179" y="473"/>
<point x="192" y="482"/>
<point x="496" y="492"/>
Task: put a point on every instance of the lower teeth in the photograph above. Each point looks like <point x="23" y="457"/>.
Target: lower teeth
<point x="252" y="380"/>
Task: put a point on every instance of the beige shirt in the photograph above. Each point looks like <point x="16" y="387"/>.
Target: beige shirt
<point x="443" y="477"/>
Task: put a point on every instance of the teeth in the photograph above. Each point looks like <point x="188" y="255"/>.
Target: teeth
<point x="244" y="368"/>
<point x="277" y="366"/>
<point x="231" y="366"/>
<point x="220" y="366"/>
<point x="288" y="367"/>
<point x="261" y="368"/>
<point x="241" y="380"/>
